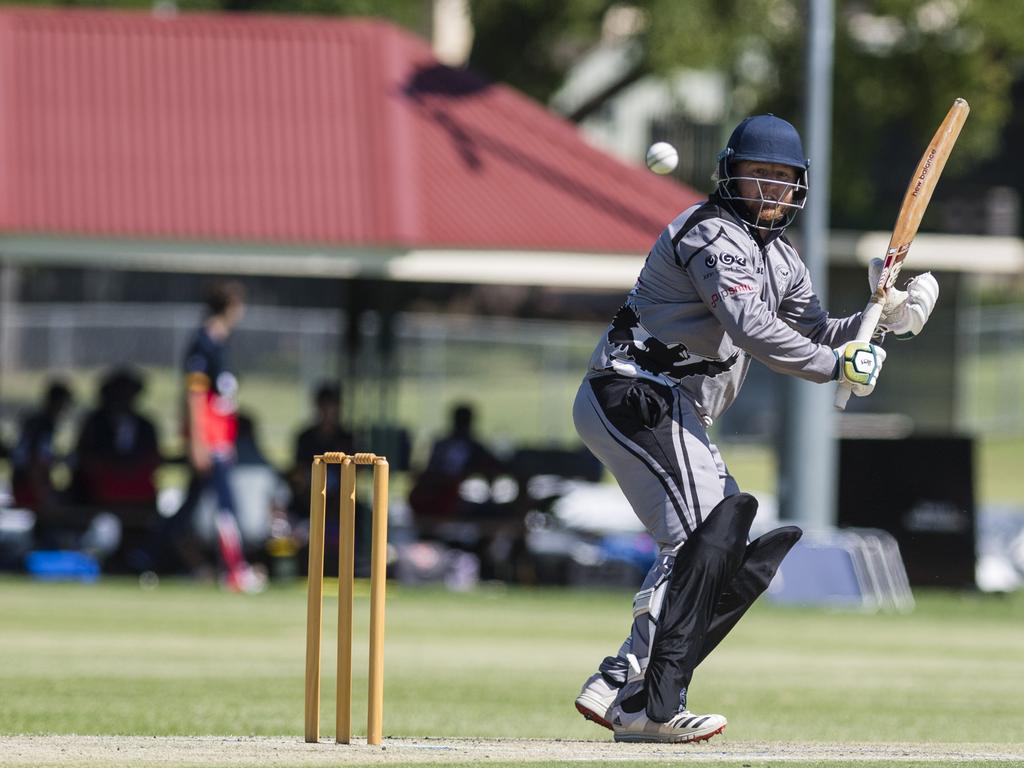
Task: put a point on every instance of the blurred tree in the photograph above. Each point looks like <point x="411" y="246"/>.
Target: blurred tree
<point x="532" y="44"/>
<point x="409" y="13"/>
<point x="898" y="66"/>
<point x="413" y="14"/>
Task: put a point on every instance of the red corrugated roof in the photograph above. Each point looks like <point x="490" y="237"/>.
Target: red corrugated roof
<point x="293" y="130"/>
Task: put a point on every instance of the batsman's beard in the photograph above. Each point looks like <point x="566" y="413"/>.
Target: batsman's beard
<point x="767" y="213"/>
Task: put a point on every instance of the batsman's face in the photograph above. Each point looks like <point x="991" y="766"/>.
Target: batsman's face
<point x="767" y="187"/>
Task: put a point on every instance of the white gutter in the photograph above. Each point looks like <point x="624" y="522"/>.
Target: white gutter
<point x="556" y="269"/>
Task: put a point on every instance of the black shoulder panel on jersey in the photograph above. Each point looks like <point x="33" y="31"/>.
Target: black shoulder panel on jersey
<point x="708" y="244"/>
<point x="730" y="240"/>
<point x="710" y="210"/>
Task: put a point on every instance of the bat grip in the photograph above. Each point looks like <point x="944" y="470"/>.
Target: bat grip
<point x="868" y="323"/>
<point x="842" y="396"/>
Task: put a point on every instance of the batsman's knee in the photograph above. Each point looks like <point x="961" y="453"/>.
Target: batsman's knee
<point x="723" y="533"/>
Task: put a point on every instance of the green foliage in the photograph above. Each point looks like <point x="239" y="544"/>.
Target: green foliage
<point x="409" y="13"/>
<point x="715" y="33"/>
<point x="898" y="66"/>
<point x="183" y="5"/>
<point x="532" y="43"/>
<point x="888" y="103"/>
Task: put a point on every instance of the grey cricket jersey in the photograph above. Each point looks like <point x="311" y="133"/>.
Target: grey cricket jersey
<point x="708" y="299"/>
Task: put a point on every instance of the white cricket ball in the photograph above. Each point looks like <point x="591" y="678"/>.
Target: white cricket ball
<point x="662" y="157"/>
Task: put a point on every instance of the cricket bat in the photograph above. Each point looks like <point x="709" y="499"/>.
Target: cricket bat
<point x="915" y="201"/>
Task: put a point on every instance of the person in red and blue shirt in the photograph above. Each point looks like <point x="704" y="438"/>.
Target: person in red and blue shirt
<point x="211" y="429"/>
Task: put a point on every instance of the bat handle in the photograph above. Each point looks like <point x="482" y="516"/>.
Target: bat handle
<point x="843" y="393"/>
<point x="868" y="323"/>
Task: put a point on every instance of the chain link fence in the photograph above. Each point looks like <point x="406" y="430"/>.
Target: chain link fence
<point x="992" y="340"/>
<point x="521" y="375"/>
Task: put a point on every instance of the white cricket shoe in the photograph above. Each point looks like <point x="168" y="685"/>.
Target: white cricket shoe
<point x="686" y="726"/>
<point x="595" y="699"/>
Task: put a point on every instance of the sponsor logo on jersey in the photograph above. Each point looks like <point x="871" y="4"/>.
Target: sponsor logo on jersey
<point x="730" y="290"/>
<point x="724" y="262"/>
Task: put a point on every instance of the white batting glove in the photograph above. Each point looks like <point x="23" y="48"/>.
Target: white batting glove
<point x="905" y="312"/>
<point x="860" y="362"/>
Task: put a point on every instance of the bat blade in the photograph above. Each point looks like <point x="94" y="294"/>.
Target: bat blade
<point x="915" y="202"/>
<point x="919" y="194"/>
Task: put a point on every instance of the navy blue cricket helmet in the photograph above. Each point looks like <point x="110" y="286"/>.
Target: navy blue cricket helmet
<point x="766" y="139"/>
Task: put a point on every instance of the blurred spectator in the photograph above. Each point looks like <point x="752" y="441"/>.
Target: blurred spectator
<point x="117" y="452"/>
<point x="263" y="501"/>
<point x="211" y="430"/>
<point x="326" y="434"/>
<point x="462" y="499"/>
<point x="454" y="458"/>
<point x="117" y="455"/>
<point x="460" y="454"/>
<point x="33" y="457"/>
<point x="247" y="445"/>
<point x="57" y="524"/>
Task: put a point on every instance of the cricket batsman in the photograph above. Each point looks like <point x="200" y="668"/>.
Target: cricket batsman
<point x="721" y="286"/>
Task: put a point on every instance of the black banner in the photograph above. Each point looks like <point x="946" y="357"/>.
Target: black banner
<point x="921" y="490"/>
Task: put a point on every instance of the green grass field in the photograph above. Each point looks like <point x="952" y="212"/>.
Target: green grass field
<point x="186" y="660"/>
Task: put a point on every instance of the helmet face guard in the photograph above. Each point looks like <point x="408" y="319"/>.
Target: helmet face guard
<point x="756" y="207"/>
<point x="764" y="139"/>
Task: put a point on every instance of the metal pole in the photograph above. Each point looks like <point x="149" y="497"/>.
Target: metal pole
<point x="807" y="481"/>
